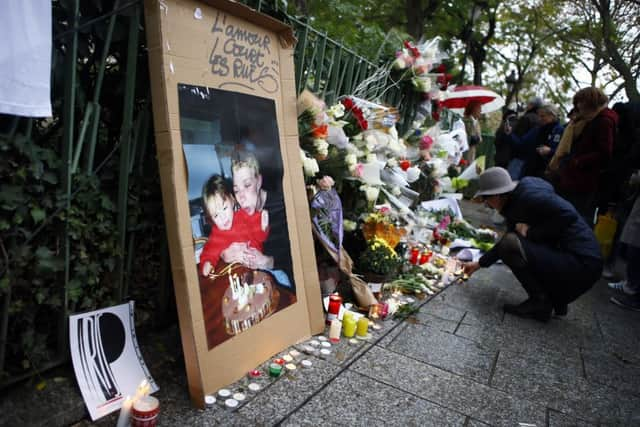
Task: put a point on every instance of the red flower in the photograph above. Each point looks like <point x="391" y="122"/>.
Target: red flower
<point x="463" y="162"/>
<point x="363" y="124"/>
<point x="407" y="44"/>
<point x="348" y="103"/>
<point x="443" y="81"/>
<point x="404" y="164"/>
<point x="440" y="69"/>
<point x="321" y="131"/>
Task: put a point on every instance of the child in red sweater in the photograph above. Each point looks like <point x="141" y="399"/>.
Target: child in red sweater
<point x="228" y="226"/>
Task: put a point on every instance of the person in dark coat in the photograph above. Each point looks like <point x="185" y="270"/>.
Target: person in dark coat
<point x="534" y="150"/>
<point x="502" y="144"/>
<point x="548" y="245"/>
<point x="529" y="119"/>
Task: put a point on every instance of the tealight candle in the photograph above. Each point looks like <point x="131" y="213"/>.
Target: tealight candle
<point x="287" y="358"/>
<point x="231" y="403"/>
<point x="322" y="338"/>
<point x="354" y="341"/>
<point x="306" y="363"/>
<point x="275" y="370"/>
<point x="363" y="327"/>
<point x="254" y="386"/>
<point x="254" y="373"/>
<point x="279" y="361"/>
<point x="290" y="366"/>
<point x="223" y="392"/>
<point x="239" y="396"/>
<point x="314" y="343"/>
<point x="326" y="344"/>
<point x="308" y="349"/>
<point x="295" y="353"/>
<point x="209" y="400"/>
<point x="325" y="351"/>
<point x="334" y="331"/>
<point x="376" y="327"/>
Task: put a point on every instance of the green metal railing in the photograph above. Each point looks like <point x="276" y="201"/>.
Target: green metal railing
<point x="107" y="134"/>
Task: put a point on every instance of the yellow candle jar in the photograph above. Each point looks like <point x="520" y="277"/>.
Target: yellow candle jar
<point x="348" y="325"/>
<point x="363" y="327"/>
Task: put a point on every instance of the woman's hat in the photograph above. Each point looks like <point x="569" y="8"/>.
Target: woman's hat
<point x="494" y="181"/>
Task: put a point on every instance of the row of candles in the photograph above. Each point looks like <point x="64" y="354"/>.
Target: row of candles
<point x="349" y="326"/>
<point x="141" y="410"/>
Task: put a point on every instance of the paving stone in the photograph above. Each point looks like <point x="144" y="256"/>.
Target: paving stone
<point x="475" y="423"/>
<point x="440" y="315"/>
<point x="611" y="369"/>
<point x="356" y="400"/>
<point x="558" y="419"/>
<point x="556" y="382"/>
<point x="445" y="351"/>
<point x="457" y="393"/>
<point x="527" y="335"/>
<point x="287" y="393"/>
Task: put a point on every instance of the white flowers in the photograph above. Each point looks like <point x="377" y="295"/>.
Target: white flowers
<point x="321" y="146"/>
<point x="336" y="111"/>
<point x="370" y="192"/>
<point x="392" y="162"/>
<point x="309" y="165"/>
<point x="413" y="173"/>
<point x="350" y="159"/>
<point x="349" y="225"/>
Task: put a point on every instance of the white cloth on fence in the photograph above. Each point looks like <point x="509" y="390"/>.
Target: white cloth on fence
<point x="25" y="58"/>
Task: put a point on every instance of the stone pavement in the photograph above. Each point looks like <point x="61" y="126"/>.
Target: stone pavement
<point x="460" y="361"/>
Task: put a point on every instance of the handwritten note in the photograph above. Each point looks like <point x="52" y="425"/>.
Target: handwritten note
<point x="243" y="55"/>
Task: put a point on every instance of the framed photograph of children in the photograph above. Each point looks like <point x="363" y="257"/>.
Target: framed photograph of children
<point x="236" y="211"/>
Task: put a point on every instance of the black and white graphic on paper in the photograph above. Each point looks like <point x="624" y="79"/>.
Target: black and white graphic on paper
<point x="101" y="341"/>
<point x="106" y="358"/>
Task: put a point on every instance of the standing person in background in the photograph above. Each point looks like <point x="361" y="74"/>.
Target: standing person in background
<point x="471" y="121"/>
<point x="532" y="152"/>
<point x="629" y="296"/>
<point x="503" y="146"/>
<point x="529" y="119"/>
<point x="590" y="151"/>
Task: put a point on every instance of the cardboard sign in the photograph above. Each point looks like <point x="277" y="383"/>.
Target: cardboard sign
<point x="237" y="216"/>
<point x="106" y="358"/>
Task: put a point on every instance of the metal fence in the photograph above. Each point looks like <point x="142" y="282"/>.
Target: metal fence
<point x="92" y="185"/>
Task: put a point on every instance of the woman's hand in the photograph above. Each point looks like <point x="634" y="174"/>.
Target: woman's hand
<point x="543" y="150"/>
<point x="522" y="229"/>
<point x="253" y="258"/>
<point x="234" y="253"/>
<point x="470" y="267"/>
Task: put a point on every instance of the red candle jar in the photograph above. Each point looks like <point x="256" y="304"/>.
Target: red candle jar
<point x="279" y="361"/>
<point x="425" y="257"/>
<point x="335" y="301"/>
<point x="415" y="253"/>
<point x="384" y="310"/>
<point x="145" y="412"/>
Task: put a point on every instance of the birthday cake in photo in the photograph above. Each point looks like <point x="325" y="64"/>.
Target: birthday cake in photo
<point x="249" y="298"/>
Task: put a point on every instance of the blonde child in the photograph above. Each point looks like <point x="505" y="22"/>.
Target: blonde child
<point x="229" y="225"/>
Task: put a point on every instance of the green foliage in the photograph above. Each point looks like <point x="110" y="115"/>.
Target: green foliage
<point x="35" y="223"/>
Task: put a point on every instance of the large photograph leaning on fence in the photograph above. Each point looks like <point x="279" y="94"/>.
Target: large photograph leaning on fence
<point x="238" y="216"/>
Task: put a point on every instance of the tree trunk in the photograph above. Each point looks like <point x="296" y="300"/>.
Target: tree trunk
<point x="415" y="20"/>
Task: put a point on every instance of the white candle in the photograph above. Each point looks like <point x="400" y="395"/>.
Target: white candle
<point x="334" y="331"/>
<point x="125" y="412"/>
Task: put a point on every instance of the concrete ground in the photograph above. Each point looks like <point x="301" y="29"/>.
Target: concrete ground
<point x="460" y="361"/>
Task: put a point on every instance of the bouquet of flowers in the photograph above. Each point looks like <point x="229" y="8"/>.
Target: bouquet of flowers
<point x="379" y="258"/>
